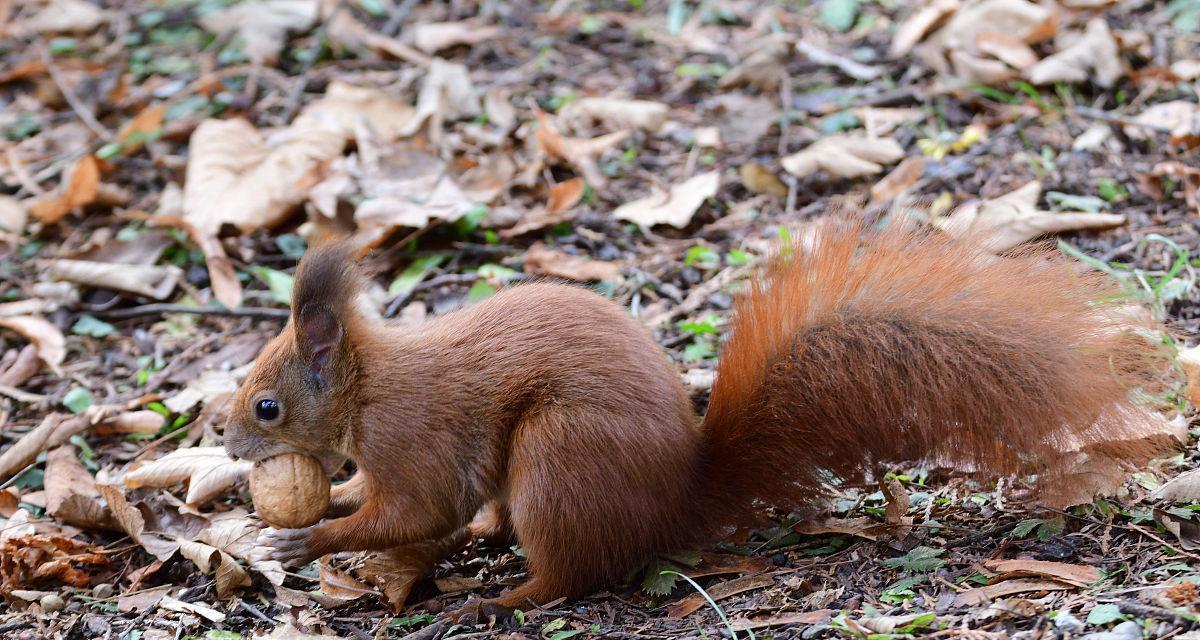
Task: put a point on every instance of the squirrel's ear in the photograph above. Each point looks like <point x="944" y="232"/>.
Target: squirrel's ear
<point x="318" y="334"/>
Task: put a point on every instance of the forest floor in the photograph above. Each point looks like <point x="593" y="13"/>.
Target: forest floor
<point x="162" y="162"/>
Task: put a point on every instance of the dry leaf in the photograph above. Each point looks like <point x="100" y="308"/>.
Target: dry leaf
<point x="54" y="430"/>
<point x="1177" y="116"/>
<point x="844" y="156"/>
<point x="152" y="281"/>
<point x="406" y="188"/>
<point x="542" y="260"/>
<point x="340" y="585"/>
<point x="719" y="591"/>
<point x="36" y="560"/>
<point x="236" y="533"/>
<point x="1007" y="48"/>
<point x="432" y="37"/>
<point x="1096" y="51"/>
<point x="179" y="606"/>
<point x="143" y="600"/>
<point x="133" y="522"/>
<point x="620" y="113"/>
<point x="821" y="616"/>
<point x="13" y="215"/>
<point x="759" y="179"/>
<point x="675" y="208"/>
<point x="894" y="184"/>
<point x="1075" y="574"/>
<point x="919" y="23"/>
<point x="972" y="68"/>
<point x="579" y="152"/>
<point x="143" y="422"/>
<point x="981" y="595"/>
<point x="148" y="121"/>
<point x="207" y="387"/>
<point x="71" y="494"/>
<point x="262" y="24"/>
<point x="230" y="576"/>
<point x="565" y="195"/>
<point x="763" y="68"/>
<point x="209" y="472"/>
<point x="1183" y="488"/>
<point x="51" y="345"/>
<point x="1011" y="219"/>
<point x="353" y="109"/>
<point x="856" y="70"/>
<point x="65" y="16"/>
<point x="447" y="93"/>
<point x="1189" y="359"/>
<point x="1023" y="20"/>
<point x="78" y="189"/>
<point x="880" y="121"/>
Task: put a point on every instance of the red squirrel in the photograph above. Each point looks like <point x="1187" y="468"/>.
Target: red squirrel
<point x="553" y="412"/>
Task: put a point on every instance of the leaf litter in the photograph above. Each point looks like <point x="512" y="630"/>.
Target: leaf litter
<point x="162" y="171"/>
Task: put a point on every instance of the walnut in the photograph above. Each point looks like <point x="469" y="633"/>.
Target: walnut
<point x="290" y="490"/>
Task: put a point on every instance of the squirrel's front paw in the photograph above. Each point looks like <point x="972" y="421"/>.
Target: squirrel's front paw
<point x="288" y="546"/>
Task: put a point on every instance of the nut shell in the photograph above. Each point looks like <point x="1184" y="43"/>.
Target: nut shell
<point x="290" y="490"/>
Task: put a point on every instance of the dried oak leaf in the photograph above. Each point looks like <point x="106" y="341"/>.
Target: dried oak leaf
<point x="844" y="155"/>
<point x="51" y="345"/>
<point x="209" y="472"/>
<point x="578" y="152"/>
<point x="675" y="207"/>
<point x="1013" y="218"/>
<point x="432" y="37"/>
<point x="78" y="189"/>
<point x="1096" y="51"/>
<point x="619" y="113"/>
<point x="151" y="281"/>
<point x="565" y="195"/>
<point x="1183" y="488"/>
<point x="71" y="494"/>
<point x="542" y="260"/>
<point x="262" y="24"/>
<point x="34" y="560"/>
<point x="1074" y="574"/>
<point x="64" y="16"/>
<point x="919" y="23"/>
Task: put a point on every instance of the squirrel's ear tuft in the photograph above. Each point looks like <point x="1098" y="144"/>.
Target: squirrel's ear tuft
<point x="323" y="298"/>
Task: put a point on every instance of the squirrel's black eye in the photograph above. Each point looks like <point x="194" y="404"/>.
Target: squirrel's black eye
<point x="266" y="410"/>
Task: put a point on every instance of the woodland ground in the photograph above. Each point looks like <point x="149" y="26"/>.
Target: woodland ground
<point x="466" y="138"/>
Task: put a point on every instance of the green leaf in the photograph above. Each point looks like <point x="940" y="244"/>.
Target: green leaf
<point x="1025" y="527"/>
<point x="421" y="619"/>
<point x="479" y="291"/>
<point x="737" y="258"/>
<point x="278" y="282"/>
<point x="291" y="245"/>
<point x="89" y="326"/>
<point x="699" y="351"/>
<point x="471" y="220"/>
<point x="77" y="400"/>
<point x="1104" y="614"/>
<point x="218" y="634"/>
<point x="839" y="14"/>
<point x="703" y="257"/>
<point x="415" y="273"/>
<point x="840" y="121"/>
<point x="656" y="582"/>
<point x="1069" y="202"/>
<point x="1111" y="190"/>
<point x="493" y="271"/>
<point x="919" y="560"/>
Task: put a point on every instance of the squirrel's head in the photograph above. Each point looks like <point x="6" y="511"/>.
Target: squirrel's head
<point x="301" y="394"/>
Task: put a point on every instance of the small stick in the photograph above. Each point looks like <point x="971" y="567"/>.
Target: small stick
<point x="77" y="105"/>
<point x="161" y="308"/>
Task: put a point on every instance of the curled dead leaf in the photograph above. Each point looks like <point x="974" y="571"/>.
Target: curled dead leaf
<point x="1096" y="52"/>
<point x="899" y="180"/>
<point x="152" y="281"/>
<point x="209" y="472"/>
<point x="759" y="179"/>
<point x="71" y="494"/>
<point x="78" y="189"/>
<point x="51" y="345"/>
<point x="262" y="24"/>
<point x="844" y="156"/>
<point x="565" y="195"/>
<point x="919" y="23"/>
<point x="65" y="16"/>
<point x="542" y="260"/>
<point x="432" y="37"/>
<point x="675" y="207"/>
<point x="620" y="113"/>
<point x="579" y="152"/>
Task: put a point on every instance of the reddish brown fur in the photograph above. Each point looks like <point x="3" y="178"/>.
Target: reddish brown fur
<point x="554" y="410"/>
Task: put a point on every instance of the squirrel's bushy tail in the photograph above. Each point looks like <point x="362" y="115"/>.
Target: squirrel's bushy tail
<point x="859" y="350"/>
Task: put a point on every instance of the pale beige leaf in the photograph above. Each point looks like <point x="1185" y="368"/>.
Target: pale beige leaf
<point x="1024" y="20"/>
<point x="1183" y="488"/>
<point x="980" y="595"/>
<point x="13" y="215"/>
<point x="620" y="113"/>
<point x="759" y="179"/>
<point x="447" y="93"/>
<point x="1096" y="52"/>
<point x="51" y="345"/>
<point x="208" y="386"/>
<point x="208" y="470"/>
<point x="919" y="23"/>
<point x="152" y="281"/>
<point x="1180" y="117"/>
<point x="350" y="108"/>
<point x="542" y="260"/>
<point x="143" y="422"/>
<point x="844" y="156"/>
<point x="676" y="207"/>
<point x="904" y="176"/>
<point x="204" y="611"/>
<point x="880" y="121"/>
<point x="432" y="37"/>
<point x="1013" y="218"/>
<point x="969" y="67"/>
<point x="1006" y="47"/>
<point x="65" y="16"/>
<point x="54" y="430"/>
<point x="408" y="188"/>
<point x="262" y="24"/>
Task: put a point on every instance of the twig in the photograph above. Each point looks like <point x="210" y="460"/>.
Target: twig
<point x="982" y="535"/>
<point x="397" y="18"/>
<point x="1097" y="114"/>
<point x="699" y="295"/>
<point x="1147" y="611"/>
<point x="73" y="100"/>
<point x="253" y="610"/>
<point x="19" y="395"/>
<point x="160" y="308"/>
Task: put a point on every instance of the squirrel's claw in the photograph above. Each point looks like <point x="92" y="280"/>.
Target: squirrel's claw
<point x="288" y="546"/>
<point x="476" y="611"/>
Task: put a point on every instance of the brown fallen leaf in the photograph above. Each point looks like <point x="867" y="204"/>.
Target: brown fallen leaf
<point x="821" y="616"/>
<point x="919" y="23"/>
<point x="64" y="16"/>
<point x="1177" y="116"/>
<point x="209" y="472"/>
<point x="712" y="564"/>
<point x="339" y="587"/>
<point x="447" y="93"/>
<point x="235" y="532"/>
<point x="864" y="527"/>
<point x="675" y="207"/>
<point x="9" y="502"/>
<point x="690" y="604"/>
<point x="79" y="188"/>
<point x="152" y="281"/>
<point x="43" y="560"/>
<point x="143" y="422"/>
<point x="51" y="345"/>
<point x="71" y="494"/>
<point x="148" y="121"/>
<point x="1007" y="48"/>
<point x="133" y="522"/>
<point x="899" y="180"/>
<point x="982" y="595"/>
<point x="262" y="24"/>
<point x="457" y="584"/>
<point x="581" y="153"/>
<point x="542" y="260"/>
<point x="619" y="113"/>
<point x="1075" y="574"/>
<point x="142" y="600"/>
<point x="1096" y="52"/>
<point x="1005" y="222"/>
<point x="844" y="155"/>
<point x="432" y="37"/>
<point x="759" y="179"/>
<point x="229" y="575"/>
<point x="565" y="195"/>
<point x="1186" y="530"/>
